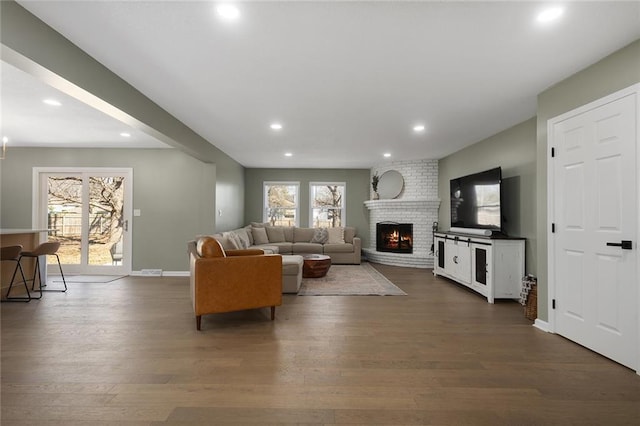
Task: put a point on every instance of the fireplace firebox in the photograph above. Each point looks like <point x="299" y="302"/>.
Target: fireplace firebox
<point x="394" y="237"/>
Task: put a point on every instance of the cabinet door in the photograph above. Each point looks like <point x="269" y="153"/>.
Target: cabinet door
<point x="463" y="261"/>
<point x="451" y="257"/>
<point x="482" y="274"/>
<point x="441" y="253"/>
<point x="457" y="261"/>
<point x="481" y="261"/>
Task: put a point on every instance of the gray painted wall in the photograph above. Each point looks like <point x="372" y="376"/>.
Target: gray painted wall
<point x="514" y="150"/>
<point x="357" y="181"/>
<point x="175" y="192"/>
<point x="615" y="72"/>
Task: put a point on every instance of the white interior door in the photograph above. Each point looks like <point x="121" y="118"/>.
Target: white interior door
<point x="88" y="212"/>
<point x="593" y="273"/>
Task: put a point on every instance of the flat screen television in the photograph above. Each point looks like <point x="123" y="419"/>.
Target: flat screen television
<point x="476" y="203"/>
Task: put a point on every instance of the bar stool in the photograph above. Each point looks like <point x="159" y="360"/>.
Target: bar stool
<point x="12" y="253"/>
<point x="44" y="249"/>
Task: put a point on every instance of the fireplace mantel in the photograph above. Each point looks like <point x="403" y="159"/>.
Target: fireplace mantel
<point x="403" y="204"/>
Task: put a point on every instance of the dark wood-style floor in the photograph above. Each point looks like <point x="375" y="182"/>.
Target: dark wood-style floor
<point x="127" y="353"/>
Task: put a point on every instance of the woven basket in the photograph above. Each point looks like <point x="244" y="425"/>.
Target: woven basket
<point x="531" y="308"/>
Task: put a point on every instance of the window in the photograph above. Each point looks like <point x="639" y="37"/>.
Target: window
<point x="281" y="203"/>
<point x="327" y="204"/>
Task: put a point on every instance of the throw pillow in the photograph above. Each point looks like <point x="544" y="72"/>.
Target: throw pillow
<point x="275" y="234"/>
<point x="243" y="238"/>
<point x="209" y="247"/>
<point x="320" y="236"/>
<point x="232" y="240"/>
<point x="237" y="240"/>
<point x="336" y="235"/>
<point x="259" y="236"/>
<point x="259" y="224"/>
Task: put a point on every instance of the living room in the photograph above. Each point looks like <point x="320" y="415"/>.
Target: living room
<point x="208" y="191"/>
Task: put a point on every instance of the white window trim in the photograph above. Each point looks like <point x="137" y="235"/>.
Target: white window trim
<point x="343" y="216"/>
<point x="265" y="200"/>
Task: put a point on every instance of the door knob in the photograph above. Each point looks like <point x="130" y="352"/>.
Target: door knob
<point x="624" y="244"/>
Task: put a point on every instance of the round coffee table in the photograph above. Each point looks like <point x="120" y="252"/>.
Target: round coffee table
<point x="315" y="265"/>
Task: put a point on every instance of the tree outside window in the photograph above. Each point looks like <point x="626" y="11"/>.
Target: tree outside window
<point x="327" y="208"/>
<point x="281" y="203"/>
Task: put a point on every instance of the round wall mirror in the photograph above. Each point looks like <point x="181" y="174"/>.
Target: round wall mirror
<point x="390" y="184"/>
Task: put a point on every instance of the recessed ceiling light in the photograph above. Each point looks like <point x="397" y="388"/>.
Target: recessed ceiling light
<point x="228" y="12"/>
<point x="52" y="102"/>
<point x="276" y="126"/>
<point x="550" y="14"/>
<point x="125" y="135"/>
<point x="387" y="154"/>
<point x="418" y="128"/>
<point x="5" y="139"/>
<point x="288" y="154"/>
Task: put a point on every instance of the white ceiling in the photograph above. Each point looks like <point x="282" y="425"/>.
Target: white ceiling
<point x="347" y="80"/>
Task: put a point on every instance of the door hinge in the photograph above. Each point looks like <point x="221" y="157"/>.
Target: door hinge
<point x="553" y="152"/>
<point x="553" y="228"/>
<point x="553" y="303"/>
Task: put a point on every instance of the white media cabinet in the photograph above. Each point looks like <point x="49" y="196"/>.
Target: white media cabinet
<point x="491" y="266"/>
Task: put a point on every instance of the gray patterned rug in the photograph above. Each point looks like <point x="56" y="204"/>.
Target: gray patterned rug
<point x="350" y="280"/>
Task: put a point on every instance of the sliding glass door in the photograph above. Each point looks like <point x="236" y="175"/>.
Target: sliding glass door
<point x="88" y="212"/>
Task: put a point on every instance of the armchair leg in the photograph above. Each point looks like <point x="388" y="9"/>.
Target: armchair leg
<point x="273" y="313"/>
<point x="198" y="322"/>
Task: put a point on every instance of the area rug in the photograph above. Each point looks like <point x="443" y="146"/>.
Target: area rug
<point x="350" y="280"/>
<point x="88" y="278"/>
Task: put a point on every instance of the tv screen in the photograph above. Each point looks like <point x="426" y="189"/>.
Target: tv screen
<point x="475" y="201"/>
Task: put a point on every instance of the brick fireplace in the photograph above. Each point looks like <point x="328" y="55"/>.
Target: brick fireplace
<point x="417" y="204"/>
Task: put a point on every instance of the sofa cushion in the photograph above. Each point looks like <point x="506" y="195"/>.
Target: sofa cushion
<point x="284" y="248"/>
<point x="302" y="235"/>
<point x="338" y="248"/>
<point x="320" y="236"/>
<point x="291" y="264"/>
<point x="267" y="248"/>
<point x="259" y="224"/>
<point x="336" y="235"/>
<point x="288" y="233"/>
<point x="275" y="234"/>
<point x="259" y="236"/>
<point x="349" y="234"/>
<point x="305" y="248"/>
<point x="209" y="247"/>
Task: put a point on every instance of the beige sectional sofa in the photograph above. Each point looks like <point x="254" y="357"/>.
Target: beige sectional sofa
<point x="342" y="245"/>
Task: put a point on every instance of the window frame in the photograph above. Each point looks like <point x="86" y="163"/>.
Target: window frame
<point x="265" y="199"/>
<point x="343" y="214"/>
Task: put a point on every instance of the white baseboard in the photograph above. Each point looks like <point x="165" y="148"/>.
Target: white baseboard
<point x="175" y="273"/>
<point x="162" y="274"/>
<point x="542" y="325"/>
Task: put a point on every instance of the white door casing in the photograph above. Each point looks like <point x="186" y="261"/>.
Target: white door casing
<point x="593" y="203"/>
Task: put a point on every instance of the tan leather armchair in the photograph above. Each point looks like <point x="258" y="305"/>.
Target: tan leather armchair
<point x="232" y="281"/>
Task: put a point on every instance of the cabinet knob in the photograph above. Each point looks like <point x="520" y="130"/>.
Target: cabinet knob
<point x="455" y="259"/>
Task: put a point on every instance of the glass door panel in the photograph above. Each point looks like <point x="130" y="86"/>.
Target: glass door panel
<point x="106" y="200"/>
<point x="64" y="216"/>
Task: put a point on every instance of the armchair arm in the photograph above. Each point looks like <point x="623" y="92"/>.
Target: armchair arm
<point x="245" y="252"/>
<point x="357" y="244"/>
